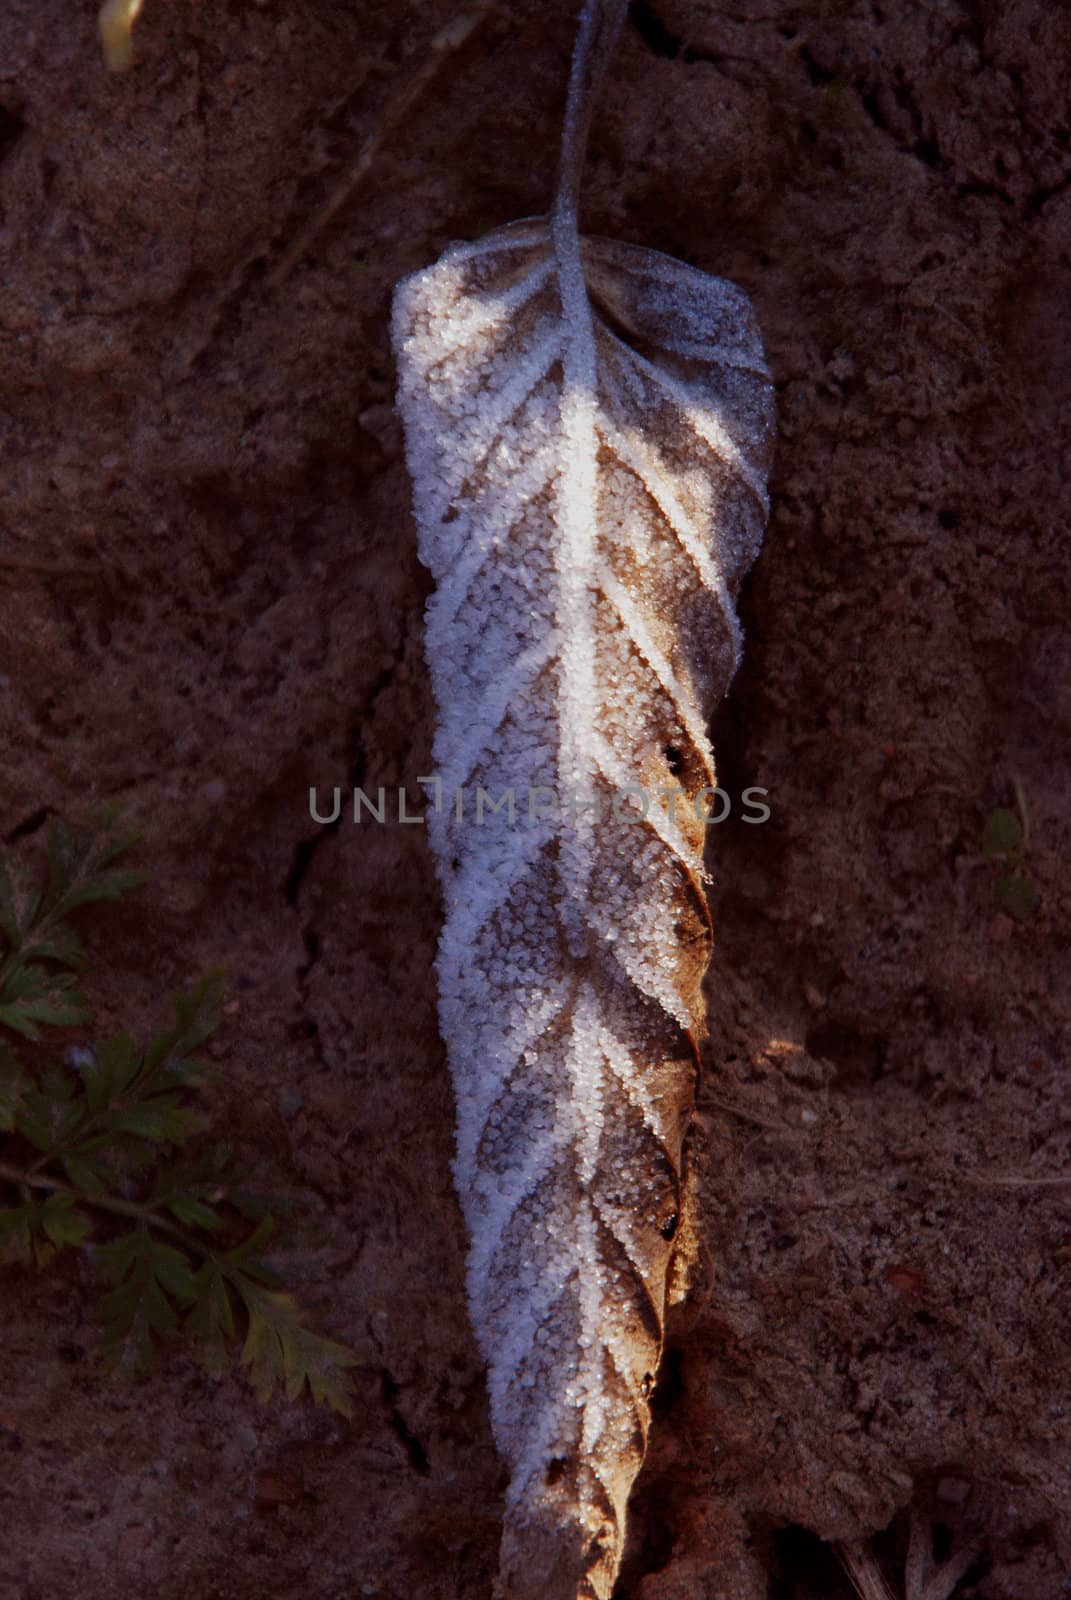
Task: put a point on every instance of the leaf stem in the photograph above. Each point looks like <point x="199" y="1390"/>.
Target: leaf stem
<point x="600" y="23"/>
<point x="25" y="946"/>
<point x="140" y="1211"/>
<point x="82" y="1130"/>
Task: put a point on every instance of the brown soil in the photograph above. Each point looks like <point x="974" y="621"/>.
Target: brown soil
<point x="210" y="600"/>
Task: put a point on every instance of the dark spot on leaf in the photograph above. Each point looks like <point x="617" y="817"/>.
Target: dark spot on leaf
<point x="556" y="1469"/>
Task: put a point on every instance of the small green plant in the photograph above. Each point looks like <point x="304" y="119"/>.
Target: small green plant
<point x="1005" y="838"/>
<point x="98" y="1150"/>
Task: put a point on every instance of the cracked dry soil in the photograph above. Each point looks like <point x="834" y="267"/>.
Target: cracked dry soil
<point x="210" y="600"/>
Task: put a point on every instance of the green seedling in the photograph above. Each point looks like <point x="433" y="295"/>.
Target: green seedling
<point x="1005" y="838"/>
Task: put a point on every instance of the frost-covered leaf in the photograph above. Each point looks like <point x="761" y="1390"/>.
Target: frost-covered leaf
<point x="588" y="429"/>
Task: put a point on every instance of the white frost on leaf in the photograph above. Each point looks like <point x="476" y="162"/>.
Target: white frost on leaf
<point x="588" y="428"/>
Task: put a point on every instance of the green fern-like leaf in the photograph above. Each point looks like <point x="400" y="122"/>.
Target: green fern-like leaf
<point x="104" y="1134"/>
<point x="37" y="1231"/>
<point x="33" y="997"/>
<point x="281" y="1352"/>
<point x="15" y="1234"/>
<point x="196" y="1017"/>
<point x="1003" y="833"/>
<point x="149" y="1277"/>
<point x="51" y="1110"/>
<point x="190" y="1190"/>
<point x="38" y="983"/>
<point x="89" y="1172"/>
<point x="62" y="1223"/>
<point x="109" y="1071"/>
<point x="80" y="861"/>
<point x="14" y="1083"/>
<point x="20" y="900"/>
<point x="211" y="1322"/>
